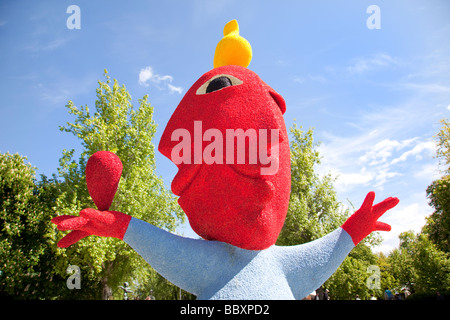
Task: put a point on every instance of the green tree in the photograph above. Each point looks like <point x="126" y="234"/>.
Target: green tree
<point x="162" y="289"/>
<point x="401" y="261"/>
<point x="387" y="278"/>
<point x="431" y="266"/>
<point x="420" y="265"/>
<point x="443" y="145"/>
<point x="438" y="223"/>
<point x="314" y="210"/>
<point x="116" y="126"/>
<point x="350" y="279"/>
<point x="26" y="248"/>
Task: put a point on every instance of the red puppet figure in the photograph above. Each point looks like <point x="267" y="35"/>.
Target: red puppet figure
<point x="229" y="141"/>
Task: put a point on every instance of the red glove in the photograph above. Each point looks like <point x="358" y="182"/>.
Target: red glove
<point x="364" y="221"/>
<point x="103" y="171"/>
<point x="92" y="222"/>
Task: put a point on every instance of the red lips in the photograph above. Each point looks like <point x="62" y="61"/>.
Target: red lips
<point x="186" y="173"/>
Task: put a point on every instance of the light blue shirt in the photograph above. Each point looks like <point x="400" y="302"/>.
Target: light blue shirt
<point x="218" y="270"/>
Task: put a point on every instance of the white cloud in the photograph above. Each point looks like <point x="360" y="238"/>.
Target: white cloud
<point x="404" y="217"/>
<point x="356" y="66"/>
<point x="146" y="75"/>
<point x="62" y="89"/>
<point x="364" y="64"/>
<point x="39" y="46"/>
<point x="383" y="176"/>
<point x="174" y="89"/>
<point x="383" y="154"/>
<point x="383" y="150"/>
<point x="349" y="179"/>
<point x="362" y="161"/>
<point x="418" y="150"/>
<point x="427" y="87"/>
<point x="429" y="171"/>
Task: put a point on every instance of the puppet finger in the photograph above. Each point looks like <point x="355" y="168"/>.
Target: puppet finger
<point x="387" y="204"/>
<point x="368" y="201"/>
<point x="71" y="223"/>
<point x="72" y="237"/>
<point x="381" y="226"/>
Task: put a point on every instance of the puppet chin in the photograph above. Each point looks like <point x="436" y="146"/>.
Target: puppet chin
<point x="224" y="205"/>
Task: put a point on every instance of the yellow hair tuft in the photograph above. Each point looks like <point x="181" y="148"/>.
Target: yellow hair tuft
<point x="232" y="49"/>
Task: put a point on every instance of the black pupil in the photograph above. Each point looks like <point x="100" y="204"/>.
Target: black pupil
<point x="218" y="83"/>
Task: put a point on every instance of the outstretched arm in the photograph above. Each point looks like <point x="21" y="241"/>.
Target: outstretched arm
<point x="188" y="263"/>
<point x="191" y="264"/>
<point x="311" y="264"/>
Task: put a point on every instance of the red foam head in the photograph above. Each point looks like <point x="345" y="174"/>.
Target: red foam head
<point x="231" y="191"/>
<point x="103" y="171"/>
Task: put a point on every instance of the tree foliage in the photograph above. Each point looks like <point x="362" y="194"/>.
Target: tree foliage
<point x="314" y="210"/>
<point x="26" y="248"/>
<point x="431" y="266"/>
<point x="350" y="279"/>
<point x="438" y="224"/>
<point x="443" y="145"/>
<point x="418" y="264"/>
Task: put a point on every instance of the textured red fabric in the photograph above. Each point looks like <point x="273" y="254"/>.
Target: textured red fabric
<point x="364" y="221"/>
<point x="103" y="171"/>
<point x="233" y="203"/>
<point x="92" y="222"/>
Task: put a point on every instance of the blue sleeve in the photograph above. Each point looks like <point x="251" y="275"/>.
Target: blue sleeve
<point x="311" y="264"/>
<point x="191" y="264"/>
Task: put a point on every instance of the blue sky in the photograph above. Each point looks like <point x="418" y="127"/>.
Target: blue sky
<point x="374" y="96"/>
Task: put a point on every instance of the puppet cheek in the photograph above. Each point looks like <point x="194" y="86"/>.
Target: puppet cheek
<point x="226" y="206"/>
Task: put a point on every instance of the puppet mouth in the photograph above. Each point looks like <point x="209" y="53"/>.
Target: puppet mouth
<point x="219" y="200"/>
<point x="267" y="165"/>
<point x="186" y="174"/>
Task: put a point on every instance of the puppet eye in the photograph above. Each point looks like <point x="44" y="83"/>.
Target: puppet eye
<point x="218" y="82"/>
